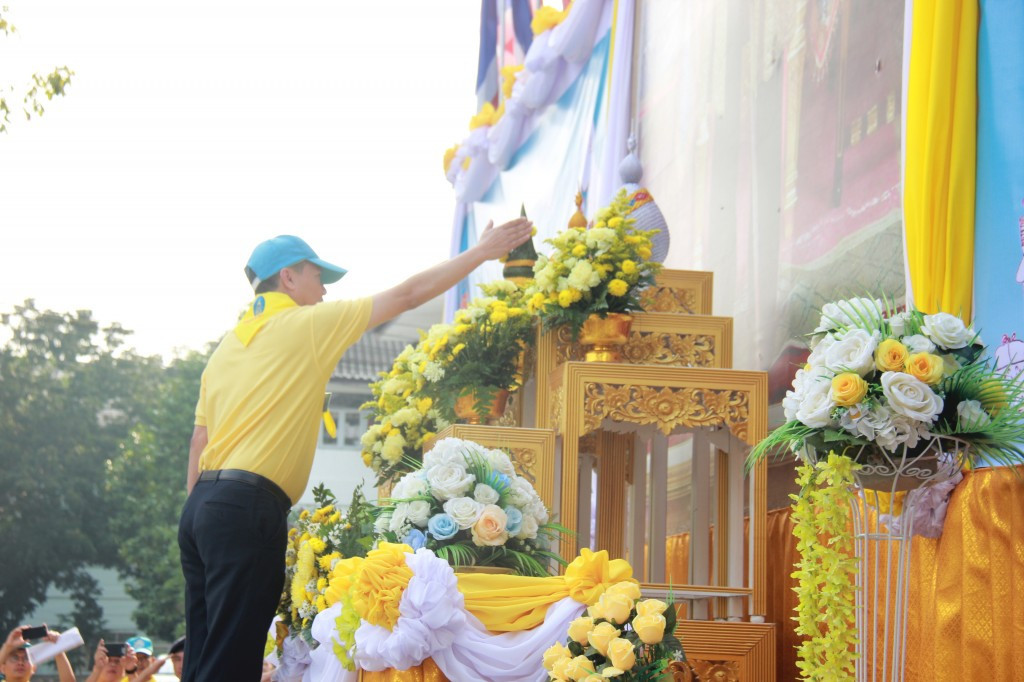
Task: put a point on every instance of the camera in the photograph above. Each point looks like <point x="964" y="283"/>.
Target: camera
<point x="115" y="650"/>
<point x="33" y="632"/>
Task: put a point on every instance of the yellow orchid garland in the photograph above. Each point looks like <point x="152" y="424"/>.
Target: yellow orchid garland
<point x="827" y="569"/>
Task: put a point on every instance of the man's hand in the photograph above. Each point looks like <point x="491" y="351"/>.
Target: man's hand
<point x="14" y="642"/>
<point x="495" y="242"/>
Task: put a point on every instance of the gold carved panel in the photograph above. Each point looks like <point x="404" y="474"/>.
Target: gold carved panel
<point x="679" y="291"/>
<point x="716" y="671"/>
<point x="664" y="407"/>
<point x="729" y="652"/>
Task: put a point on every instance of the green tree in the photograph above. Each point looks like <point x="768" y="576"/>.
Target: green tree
<point x="37" y="87"/>
<point x="70" y="394"/>
<point x="149" y="479"/>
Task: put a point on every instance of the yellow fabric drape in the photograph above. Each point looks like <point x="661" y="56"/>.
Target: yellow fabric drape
<point x="424" y="672"/>
<point x="509" y="603"/>
<point x="966" y="602"/>
<point x="941" y="146"/>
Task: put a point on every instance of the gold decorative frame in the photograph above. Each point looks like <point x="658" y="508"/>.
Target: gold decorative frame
<point x="667" y="398"/>
<point x="679" y="291"/>
<point x="533" y="451"/>
<point x="730" y="652"/>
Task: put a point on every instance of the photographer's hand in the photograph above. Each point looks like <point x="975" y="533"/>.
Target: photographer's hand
<point x="14" y="642"/>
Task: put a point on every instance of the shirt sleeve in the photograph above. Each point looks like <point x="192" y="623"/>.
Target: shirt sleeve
<point x="336" y="326"/>
<point x="201" y="404"/>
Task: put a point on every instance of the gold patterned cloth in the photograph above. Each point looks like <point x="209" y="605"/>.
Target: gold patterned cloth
<point x="425" y="672"/>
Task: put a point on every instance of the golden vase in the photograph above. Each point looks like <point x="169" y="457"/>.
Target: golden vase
<point x="465" y="407"/>
<point x="604" y="337"/>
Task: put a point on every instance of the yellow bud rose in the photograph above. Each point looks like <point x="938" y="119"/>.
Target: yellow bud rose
<point x="616" y="607"/>
<point x="617" y="287"/>
<point x="601" y="635"/>
<point x="554" y="654"/>
<point x="580" y="628"/>
<point x="650" y="628"/>
<point x="848" y="389"/>
<point x="627" y="588"/>
<point x="651" y="607"/>
<point x="560" y="669"/>
<point x="565" y="298"/>
<point x="580" y="668"/>
<point x="926" y="367"/>
<point x="621" y="654"/>
<point x="595" y="611"/>
<point x="891" y="356"/>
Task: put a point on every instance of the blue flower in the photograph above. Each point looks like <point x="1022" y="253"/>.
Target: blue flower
<point x="515" y="520"/>
<point x="499" y="482"/>
<point x="415" y="539"/>
<point x="442" y="527"/>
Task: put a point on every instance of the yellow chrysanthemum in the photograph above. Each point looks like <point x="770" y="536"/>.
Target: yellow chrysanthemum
<point x="565" y="298"/>
<point x="617" y="287"/>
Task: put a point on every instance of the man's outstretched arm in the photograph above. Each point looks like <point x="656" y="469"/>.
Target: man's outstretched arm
<point x="418" y="289"/>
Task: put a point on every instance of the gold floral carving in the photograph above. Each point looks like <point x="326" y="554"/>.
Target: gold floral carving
<point x="666" y="408"/>
<point x="717" y="671"/>
<point x="679" y="671"/>
<point x="679" y="350"/>
<point x="556" y="409"/>
<point x="525" y="462"/>
<point x="669" y="300"/>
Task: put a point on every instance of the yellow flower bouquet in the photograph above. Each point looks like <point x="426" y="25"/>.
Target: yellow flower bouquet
<point x="598" y="270"/>
<point x="622" y="637"/>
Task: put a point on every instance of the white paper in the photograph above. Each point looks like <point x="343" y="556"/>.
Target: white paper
<point x="41" y="653"/>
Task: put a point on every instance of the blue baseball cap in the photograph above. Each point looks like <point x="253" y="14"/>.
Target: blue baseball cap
<point x="141" y="645"/>
<point x="283" y="251"/>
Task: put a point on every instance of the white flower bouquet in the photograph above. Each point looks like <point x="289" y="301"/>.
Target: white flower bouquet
<point x="469" y="506"/>
<point x="898" y="381"/>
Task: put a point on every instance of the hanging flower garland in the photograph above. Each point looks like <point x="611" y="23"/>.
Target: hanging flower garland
<point x="827" y="569"/>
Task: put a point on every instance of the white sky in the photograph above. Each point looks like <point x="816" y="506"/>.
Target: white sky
<point x="195" y="129"/>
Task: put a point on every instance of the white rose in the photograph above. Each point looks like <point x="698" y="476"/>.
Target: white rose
<point x="817" y="356"/>
<point x="381" y="523"/>
<point x="816" y="407"/>
<point x="537" y="510"/>
<point x="900" y="430"/>
<point x="972" y="415"/>
<point x="910" y="397"/>
<point x="917" y="343"/>
<point x="464" y="510"/>
<point x="804" y="381"/>
<point x="898" y="324"/>
<point x="485" y="494"/>
<point x="419" y="513"/>
<point x="855" y="352"/>
<point x="867" y="423"/>
<point x="528" y="530"/>
<point x="411" y="485"/>
<point x="449" y="480"/>
<point x="854" y="312"/>
<point x="445" y="451"/>
<point x="399" y="518"/>
<point x="500" y="462"/>
<point x="521" y="492"/>
<point x="946" y="330"/>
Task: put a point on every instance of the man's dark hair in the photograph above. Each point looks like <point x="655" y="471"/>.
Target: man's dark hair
<point x="179" y="645"/>
<point x="271" y="283"/>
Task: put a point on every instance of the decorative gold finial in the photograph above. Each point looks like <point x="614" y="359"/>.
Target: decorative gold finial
<point x="578" y="219"/>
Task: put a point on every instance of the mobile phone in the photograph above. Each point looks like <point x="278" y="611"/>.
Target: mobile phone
<point x="115" y="649"/>
<point x="33" y="632"/>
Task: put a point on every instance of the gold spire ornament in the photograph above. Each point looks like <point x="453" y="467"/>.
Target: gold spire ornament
<point x="520" y="260"/>
<point x="578" y="219"/>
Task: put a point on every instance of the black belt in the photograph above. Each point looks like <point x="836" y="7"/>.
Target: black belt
<point x="247" y="477"/>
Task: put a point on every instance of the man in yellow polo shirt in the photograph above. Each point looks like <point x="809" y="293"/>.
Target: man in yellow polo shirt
<point x="257" y="417"/>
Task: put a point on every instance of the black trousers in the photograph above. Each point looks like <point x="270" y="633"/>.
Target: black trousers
<point x="232" y="537"/>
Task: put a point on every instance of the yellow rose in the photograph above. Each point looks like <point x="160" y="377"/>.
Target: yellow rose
<point x="554" y="654"/>
<point x="848" y="389"/>
<point x="891" y="356"/>
<point x="580" y="628"/>
<point x="626" y="588"/>
<point x="616" y="607"/>
<point x="651" y="607"/>
<point x="565" y="298"/>
<point x="579" y="250"/>
<point x="560" y="669"/>
<point x="628" y="267"/>
<point x="601" y="635"/>
<point x="580" y="668"/>
<point x="490" y="527"/>
<point x="595" y="611"/>
<point x="614" y="222"/>
<point x="926" y="367"/>
<point x="650" y="628"/>
<point x="621" y="654"/>
<point x="617" y="287"/>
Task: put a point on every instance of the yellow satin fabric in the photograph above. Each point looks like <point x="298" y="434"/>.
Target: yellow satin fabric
<point x="509" y="603"/>
<point x="941" y="147"/>
<point x="966" y="604"/>
<point x="425" y="672"/>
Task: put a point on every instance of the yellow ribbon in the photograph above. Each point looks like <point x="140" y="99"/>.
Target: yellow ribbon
<point x="263" y="307"/>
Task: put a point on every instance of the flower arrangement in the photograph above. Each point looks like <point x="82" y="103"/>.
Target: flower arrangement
<point x="599" y="270"/>
<point x="482" y="353"/>
<point x="621" y="637"/>
<point x="316" y="544"/>
<point x="881" y="379"/>
<point x="470" y="508"/>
